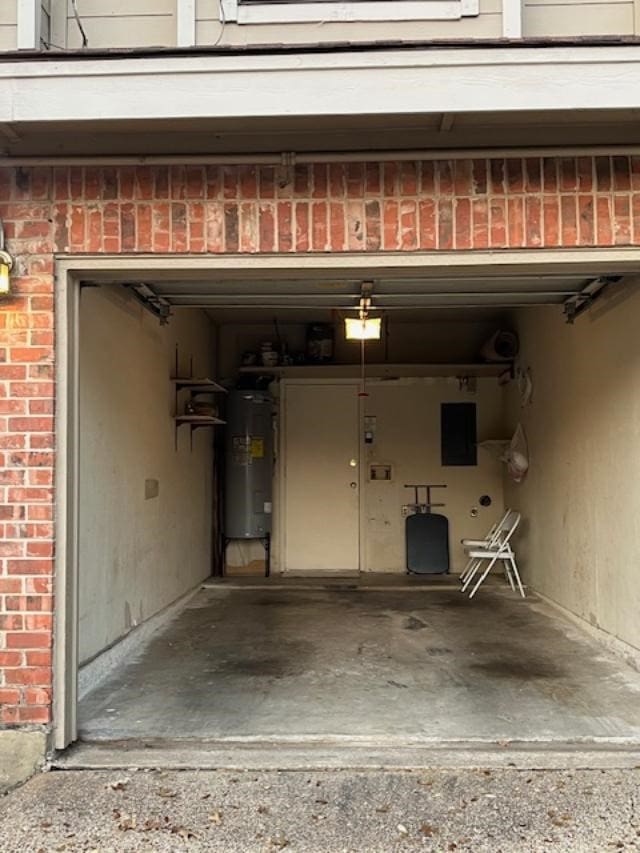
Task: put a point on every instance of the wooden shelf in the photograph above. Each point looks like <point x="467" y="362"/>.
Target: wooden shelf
<point x="198" y="420"/>
<point x="202" y="386"/>
<point x="379" y="371"/>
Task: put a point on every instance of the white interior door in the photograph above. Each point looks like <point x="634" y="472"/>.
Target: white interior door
<point x="321" y="468"/>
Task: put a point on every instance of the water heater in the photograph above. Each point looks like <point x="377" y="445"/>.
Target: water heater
<point x="248" y="465"/>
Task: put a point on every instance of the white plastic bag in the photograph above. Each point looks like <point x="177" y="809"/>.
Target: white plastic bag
<point x="517" y="455"/>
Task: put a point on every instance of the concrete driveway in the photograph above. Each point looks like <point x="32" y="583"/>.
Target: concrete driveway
<point x="506" y="810"/>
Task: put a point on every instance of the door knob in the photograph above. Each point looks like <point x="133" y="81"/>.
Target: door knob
<point x="353" y="485"/>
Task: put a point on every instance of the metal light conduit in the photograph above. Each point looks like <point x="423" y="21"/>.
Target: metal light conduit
<point x="291" y="158"/>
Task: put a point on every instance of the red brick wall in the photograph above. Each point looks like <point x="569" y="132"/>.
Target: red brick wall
<point x="364" y="207"/>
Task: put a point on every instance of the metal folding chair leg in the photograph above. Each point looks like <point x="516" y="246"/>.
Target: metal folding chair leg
<point x="482" y="577"/>
<point x="470" y="575"/>
<point x="466" y="570"/>
<point x="508" y="574"/>
<point x="516" y="574"/>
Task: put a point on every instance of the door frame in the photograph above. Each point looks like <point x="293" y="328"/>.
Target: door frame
<point x="71" y="270"/>
<point x="281" y="466"/>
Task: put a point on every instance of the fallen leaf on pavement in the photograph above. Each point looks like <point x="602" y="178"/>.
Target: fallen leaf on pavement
<point x="167" y="793"/>
<point x="127" y="822"/>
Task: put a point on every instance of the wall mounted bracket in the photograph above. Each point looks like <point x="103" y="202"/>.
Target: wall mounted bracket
<point x="150" y="300"/>
<point x="584" y="299"/>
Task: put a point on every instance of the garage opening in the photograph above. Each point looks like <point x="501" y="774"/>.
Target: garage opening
<point x="271" y="515"/>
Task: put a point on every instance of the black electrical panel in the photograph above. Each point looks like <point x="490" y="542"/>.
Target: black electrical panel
<point x="458" y="434"/>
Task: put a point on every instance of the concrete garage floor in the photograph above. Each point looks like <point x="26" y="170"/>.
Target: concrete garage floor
<point x="395" y="665"/>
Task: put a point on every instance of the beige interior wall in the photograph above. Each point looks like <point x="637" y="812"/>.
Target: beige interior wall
<point x="580" y="542"/>
<point x="137" y="554"/>
<point x="408" y="438"/>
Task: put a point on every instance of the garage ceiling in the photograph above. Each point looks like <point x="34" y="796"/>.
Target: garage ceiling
<point x="230" y="300"/>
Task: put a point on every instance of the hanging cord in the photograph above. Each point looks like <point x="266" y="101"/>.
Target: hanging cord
<point x="223" y="21"/>
<point x="363" y="379"/>
<point x="76" y="15"/>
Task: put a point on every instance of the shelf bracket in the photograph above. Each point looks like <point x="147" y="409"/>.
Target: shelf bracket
<point x="194" y="386"/>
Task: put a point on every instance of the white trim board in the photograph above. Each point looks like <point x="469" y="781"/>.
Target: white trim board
<point x="29" y="18"/>
<point x="591" y="261"/>
<point x="186" y="23"/>
<point x="343" y="11"/>
<point x="512" y="18"/>
<point x="367" y="83"/>
<point x="93" y="673"/>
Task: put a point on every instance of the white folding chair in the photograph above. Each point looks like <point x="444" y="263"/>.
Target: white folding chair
<point x="487" y="542"/>
<point x="500" y="549"/>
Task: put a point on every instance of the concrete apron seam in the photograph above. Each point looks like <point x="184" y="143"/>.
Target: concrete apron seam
<point x="344" y="584"/>
<point x="364" y="742"/>
<point x="256" y="757"/>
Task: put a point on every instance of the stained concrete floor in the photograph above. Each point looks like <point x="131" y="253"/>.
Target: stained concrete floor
<point x="338" y="661"/>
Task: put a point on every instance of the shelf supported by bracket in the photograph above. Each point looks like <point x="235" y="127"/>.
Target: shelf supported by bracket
<point x="193" y="385"/>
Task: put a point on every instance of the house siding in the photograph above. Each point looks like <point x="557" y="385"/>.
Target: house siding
<point x="8" y="26"/>
<point x="571" y="18"/>
<point x="125" y="23"/>
<point x="153" y="23"/>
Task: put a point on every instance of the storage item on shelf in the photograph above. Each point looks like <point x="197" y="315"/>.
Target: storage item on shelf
<point x="268" y="355"/>
<point x="201" y="407"/>
<point x="501" y="346"/>
<point x="320" y="342"/>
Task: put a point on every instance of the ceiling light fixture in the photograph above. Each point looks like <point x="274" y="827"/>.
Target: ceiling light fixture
<point x="363" y="328"/>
